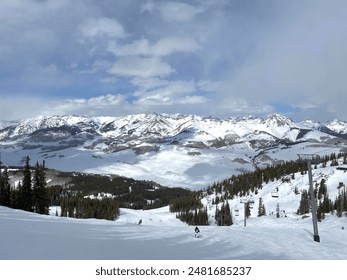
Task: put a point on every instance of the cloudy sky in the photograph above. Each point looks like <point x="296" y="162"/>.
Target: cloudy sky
<point x="208" y="57"/>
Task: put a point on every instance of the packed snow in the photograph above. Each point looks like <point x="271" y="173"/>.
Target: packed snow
<point x="161" y="236"/>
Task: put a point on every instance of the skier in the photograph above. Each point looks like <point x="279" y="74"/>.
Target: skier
<point x="197" y="231"/>
<point x="140" y="222"/>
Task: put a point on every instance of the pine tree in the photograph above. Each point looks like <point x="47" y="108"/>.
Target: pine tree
<point x="228" y="220"/>
<point x="5" y="189"/>
<point x="304" y="206"/>
<point x="327" y="205"/>
<point x="322" y="189"/>
<point x="26" y="200"/>
<point x="40" y="197"/>
<point x="261" y="209"/>
<point x="341" y="203"/>
<point x="224" y="216"/>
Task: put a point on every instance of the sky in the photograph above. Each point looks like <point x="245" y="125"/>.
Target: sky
<point x="221" y="58"/>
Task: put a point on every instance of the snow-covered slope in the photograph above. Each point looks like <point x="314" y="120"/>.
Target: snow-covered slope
<point x="174" y="150"/>
<point x="163" y="237"/>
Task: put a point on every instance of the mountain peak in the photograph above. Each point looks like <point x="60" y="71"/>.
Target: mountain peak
<point x="278" y="120"/>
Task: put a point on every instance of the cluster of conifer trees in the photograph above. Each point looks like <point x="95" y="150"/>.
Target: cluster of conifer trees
<point x="324" y="203"/>
<point x="84" y="208"/>
<point x="30" y="194"/>
<point x="196" y="217"/>
<point x="223" y="215"/>
<point x="131" y="193"/>
<point x="189" y="209"/>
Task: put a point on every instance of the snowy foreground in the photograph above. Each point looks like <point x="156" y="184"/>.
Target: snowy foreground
<point x="162" y="237"/>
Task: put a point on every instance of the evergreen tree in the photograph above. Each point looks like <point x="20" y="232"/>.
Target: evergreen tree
<point x="327" y="205"/>
<point x="40" y="197"/>
<point x="224" y="216"/>
<point x="304" y="206"/>
<point x="320" y="212"/>
<point x="5" y="189"/>
<point x="341" y="203"/>
<point x="228" y="215"/>
<point x="261" y="209"/>
<point x="16" y="196"/>
<point x="25" y="197"/>
<point x="322" y="189"/>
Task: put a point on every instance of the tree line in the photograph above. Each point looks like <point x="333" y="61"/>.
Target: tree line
<point x="84" y="208"/>
<point x="130" y="193"/>
<point x="30" y="194"/>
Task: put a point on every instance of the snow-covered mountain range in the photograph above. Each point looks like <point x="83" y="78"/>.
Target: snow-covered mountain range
<point x="174" y="150"/>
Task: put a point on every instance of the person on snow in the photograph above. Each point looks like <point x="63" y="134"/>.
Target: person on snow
<point x="197" y="231"/>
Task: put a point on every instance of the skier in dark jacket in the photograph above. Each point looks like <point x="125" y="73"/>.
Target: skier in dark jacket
<point x="197" y="231"/>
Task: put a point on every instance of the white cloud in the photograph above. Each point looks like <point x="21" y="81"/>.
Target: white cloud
<point x="109" y="100"/>
<point x="179" y="11"/>
<point x="193" y="100"/>
<point x="168" y="45"/>
<point x="98" y="27"/>
<point x="109" y="104"/>
<point x="134" y="66"/>
<point x="300" y="60"/>
<point x="241" y="106"/>
<point x="168" y="93"/>
<point x="163" y="47"/>
<point x="172" y="11"/>
<point x="109" y="80"/>
<point x="20" y="107"/>
<point x="26" y="107"/>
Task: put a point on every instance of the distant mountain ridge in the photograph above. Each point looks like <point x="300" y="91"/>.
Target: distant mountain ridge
<point x="172" y="149"/>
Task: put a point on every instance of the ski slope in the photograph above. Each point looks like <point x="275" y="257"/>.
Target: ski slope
<point x="28" y="236"/>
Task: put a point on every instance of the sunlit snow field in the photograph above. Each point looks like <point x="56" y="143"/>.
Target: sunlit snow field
<point x="161" y="236"/>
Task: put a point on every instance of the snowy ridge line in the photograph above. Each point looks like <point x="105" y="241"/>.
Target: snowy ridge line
<point x="164" y="121"/>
